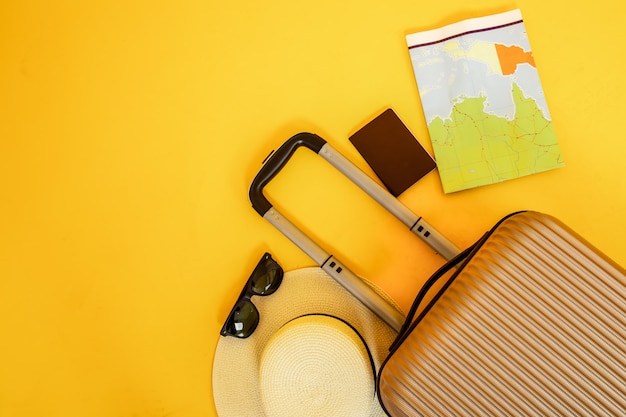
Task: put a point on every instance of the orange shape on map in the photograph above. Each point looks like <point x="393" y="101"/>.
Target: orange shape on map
<point x="511" y="56"/>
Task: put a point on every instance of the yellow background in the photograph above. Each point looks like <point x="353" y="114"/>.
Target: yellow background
<point x="130" y="131"/>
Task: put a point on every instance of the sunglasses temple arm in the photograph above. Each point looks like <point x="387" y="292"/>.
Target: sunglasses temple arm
<point x="338" y="271"/>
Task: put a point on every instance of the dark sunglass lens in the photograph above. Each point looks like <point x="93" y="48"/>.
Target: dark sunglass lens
<point x="243" y="320"/>
<point x="267" y="277"/>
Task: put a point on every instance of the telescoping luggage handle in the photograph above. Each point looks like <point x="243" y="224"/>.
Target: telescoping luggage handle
<point x="331" y="265"/>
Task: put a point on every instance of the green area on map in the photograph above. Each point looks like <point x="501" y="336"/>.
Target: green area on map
<point x="476" y="148"/>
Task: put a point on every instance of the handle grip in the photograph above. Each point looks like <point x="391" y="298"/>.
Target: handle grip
<point x="275" y="163"/>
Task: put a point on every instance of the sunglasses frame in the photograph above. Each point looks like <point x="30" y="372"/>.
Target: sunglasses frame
<point x="248" y="291"/>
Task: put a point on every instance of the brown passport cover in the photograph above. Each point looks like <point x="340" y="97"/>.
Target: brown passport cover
<point x="392" y="151"/>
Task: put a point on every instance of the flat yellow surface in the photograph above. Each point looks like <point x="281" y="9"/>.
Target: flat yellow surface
<point x="131" y="130"/>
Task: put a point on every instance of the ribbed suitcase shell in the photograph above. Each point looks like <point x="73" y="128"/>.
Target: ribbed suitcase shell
<point x="534" y="324"/>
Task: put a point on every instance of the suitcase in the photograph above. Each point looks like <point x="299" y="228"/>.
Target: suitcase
<point x="530" y="321"/>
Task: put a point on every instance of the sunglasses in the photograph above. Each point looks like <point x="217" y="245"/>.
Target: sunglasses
<point x="244" y="317"/>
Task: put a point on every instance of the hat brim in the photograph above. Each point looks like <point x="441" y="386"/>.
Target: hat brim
<point x="305" y="291"/>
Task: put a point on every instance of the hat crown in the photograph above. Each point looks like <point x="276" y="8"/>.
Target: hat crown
<point x="316" y="365"/>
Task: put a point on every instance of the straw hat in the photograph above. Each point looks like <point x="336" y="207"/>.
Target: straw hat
<point x="315" y="352"/>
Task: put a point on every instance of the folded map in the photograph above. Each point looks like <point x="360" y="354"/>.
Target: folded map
<point x="485" y="108"/>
